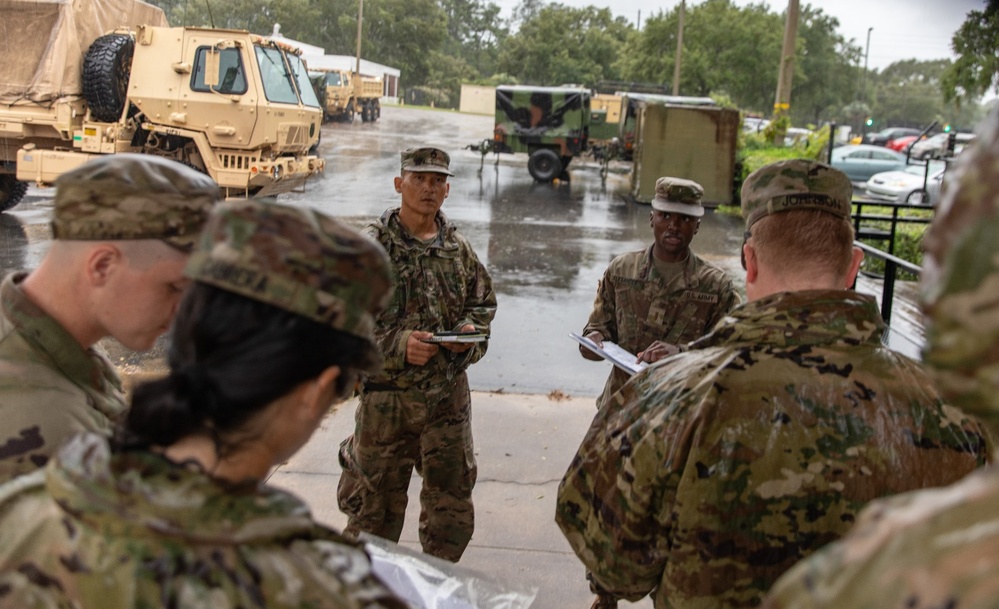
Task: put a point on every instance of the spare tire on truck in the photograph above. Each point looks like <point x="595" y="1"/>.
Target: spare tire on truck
<point x="11" y="191"/>
<point x="106" y="68"/>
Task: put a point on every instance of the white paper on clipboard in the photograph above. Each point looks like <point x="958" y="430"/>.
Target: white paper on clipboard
<point x="623" y="359"/>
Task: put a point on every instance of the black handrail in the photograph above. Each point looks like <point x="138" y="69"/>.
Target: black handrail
<point x="893" y="265"/>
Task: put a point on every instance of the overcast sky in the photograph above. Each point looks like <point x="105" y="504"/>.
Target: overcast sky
<point x="903" y="29"/>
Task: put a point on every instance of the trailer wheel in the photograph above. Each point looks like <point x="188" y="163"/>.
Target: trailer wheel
<point x="106" y="69"/>
<point x="544" y="165"/>
<point x="11" y="191"/>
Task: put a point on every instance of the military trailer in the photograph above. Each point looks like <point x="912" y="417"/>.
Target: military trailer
<point x="551" y="124"/>
<point x="91" y="77"/>
<point x="692" y="138"/>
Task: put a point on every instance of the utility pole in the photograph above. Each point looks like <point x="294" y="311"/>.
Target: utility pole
<point x="679" y="49"/>
<point x="360" y="13"/>
<point x="782" y="102"/>
<point x="863" y="77"/>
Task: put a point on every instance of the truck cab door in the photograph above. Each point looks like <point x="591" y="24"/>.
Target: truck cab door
<point x="220" y="97"/>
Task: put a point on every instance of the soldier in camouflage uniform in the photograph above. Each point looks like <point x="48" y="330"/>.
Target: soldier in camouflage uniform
<point x="417" y="412"/>
<point x="123" y="226"/>
<point x="276" y="327"/>
<point x="935" y="548"/>
<point x="716" y="470"/>
<point x="654" y="300"/>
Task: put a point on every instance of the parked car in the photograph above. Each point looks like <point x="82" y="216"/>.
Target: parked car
<point x="861" y="161"/>
<point x="916" y="184"/>
<point x="935" y="147"/>
<point x="793" y="135"/>
<point x="752" y="124"/>
<point x="885" y="136"/>
<point x="900" y="144"/>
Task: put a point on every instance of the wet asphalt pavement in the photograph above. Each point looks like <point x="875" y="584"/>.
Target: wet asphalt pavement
<point x="546" y="245"/>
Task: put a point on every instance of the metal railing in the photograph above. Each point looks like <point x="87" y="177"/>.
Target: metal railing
<point x="864" y="229"/>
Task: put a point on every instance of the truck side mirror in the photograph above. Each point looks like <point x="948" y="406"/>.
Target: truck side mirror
<point x="212" y="68"/>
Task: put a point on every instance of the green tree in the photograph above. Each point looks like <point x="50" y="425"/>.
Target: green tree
<point x="561" y="45"/>
<point x="976" y="44"/>
<point x="474" y="34"/>
<point x="726" y="49"/>
<point x="825" y="77"/>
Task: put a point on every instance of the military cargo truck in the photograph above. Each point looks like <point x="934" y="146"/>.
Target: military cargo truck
<point x="92" y="77"/>
<point x="349" y="93"/>
<point x="551" y="124"/>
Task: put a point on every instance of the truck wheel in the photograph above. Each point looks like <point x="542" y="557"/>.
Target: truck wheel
<point x="544" y="165"/>
<point x="106" y="68"/>
<point x="11" y="191"/>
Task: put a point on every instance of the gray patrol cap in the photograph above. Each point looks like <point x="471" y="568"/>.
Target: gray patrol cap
<point x="133" y="196"/>
<point x="678" y="196"/>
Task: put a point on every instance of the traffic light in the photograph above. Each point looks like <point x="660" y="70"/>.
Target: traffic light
<point x="869" y="121"/>
<point x="947" y="128"/>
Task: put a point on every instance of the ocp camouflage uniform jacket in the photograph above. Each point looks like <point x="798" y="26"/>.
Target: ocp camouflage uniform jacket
<point x="925" y="549"/>
<point x="714" y="472"/>
<point x="440" y="286"/>
<point x="635" y="306"/>
<point x="50" y="387"/>
<point x="121" y="531"/>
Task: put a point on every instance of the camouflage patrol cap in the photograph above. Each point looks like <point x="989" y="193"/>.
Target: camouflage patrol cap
<point x="960" y="279"/>
<point x="432" y="160"/>
<point x="133" y="196"/>
<point x="299" y="260"/>
<point x="795" y="184"/>
<point x="679" y="196"/>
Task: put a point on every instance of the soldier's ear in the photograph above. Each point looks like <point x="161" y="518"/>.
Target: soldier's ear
<point x="398" y="184"/>
<point x="101" y="261"/>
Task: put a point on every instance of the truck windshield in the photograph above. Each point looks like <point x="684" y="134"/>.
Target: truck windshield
<point x="277" y="81"/>
<point x="302" y="78"/>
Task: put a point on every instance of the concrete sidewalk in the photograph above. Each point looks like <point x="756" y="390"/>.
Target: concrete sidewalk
<point x="523" y="444"/>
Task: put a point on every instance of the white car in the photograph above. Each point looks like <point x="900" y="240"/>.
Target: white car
<point x="935" y="147"/>
<point x="916" y="184"/>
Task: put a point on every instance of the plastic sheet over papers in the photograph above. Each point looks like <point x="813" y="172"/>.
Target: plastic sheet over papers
<point x="431" y="583"/>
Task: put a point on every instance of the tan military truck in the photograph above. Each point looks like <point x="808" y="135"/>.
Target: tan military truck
<point x="348" y="93"/>
<point x="232" y="104"/>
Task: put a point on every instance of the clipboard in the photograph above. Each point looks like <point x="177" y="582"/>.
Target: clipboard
<point x="457" y="337"/>
<point x="622" y="358"/>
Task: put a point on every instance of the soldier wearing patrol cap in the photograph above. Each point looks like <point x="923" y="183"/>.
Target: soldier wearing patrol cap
<point x="652" y="301"/>
<point x="715" y="473"/>
<point x="934" y="548"/>
<point x="416" y="412"/>
<point x="122" y="226"/>
<point x="276" y="327"/>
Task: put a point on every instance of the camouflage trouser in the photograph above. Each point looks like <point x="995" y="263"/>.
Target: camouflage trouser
<point x="395" y="431"/>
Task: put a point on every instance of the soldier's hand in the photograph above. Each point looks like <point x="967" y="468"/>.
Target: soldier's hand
<point x="418" y="352"/>
<point x="597" y="338"/>
<point x="656" y="351"/>
<point x="460" y="347"/>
